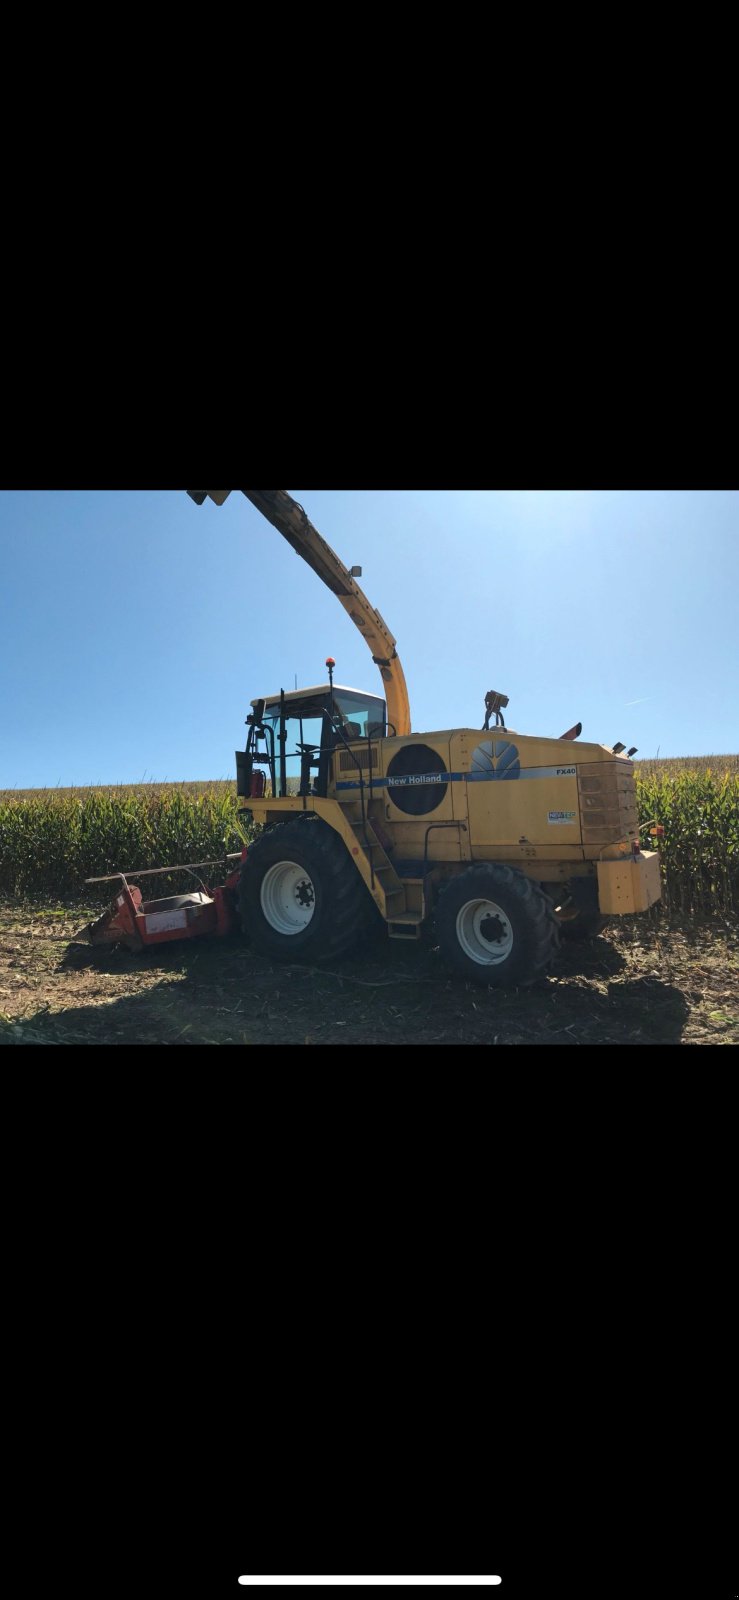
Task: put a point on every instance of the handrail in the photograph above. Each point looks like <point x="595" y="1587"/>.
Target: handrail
<point x="455" y="822"/>
<point x="152" y="872"/>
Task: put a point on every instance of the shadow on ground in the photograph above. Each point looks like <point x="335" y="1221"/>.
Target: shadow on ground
<point x="220" y="991"/>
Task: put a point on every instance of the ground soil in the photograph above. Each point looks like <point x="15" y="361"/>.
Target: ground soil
<point x="641" y="982"/>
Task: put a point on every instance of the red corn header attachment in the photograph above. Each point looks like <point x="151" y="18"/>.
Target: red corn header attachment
<point x="134" y="922"/>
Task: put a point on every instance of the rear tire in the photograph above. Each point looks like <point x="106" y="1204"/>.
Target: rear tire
<point x="496" y="926"/>
<point x="301" y="897"/>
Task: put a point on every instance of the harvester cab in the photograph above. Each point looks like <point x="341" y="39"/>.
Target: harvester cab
<point x="292" y="736"/>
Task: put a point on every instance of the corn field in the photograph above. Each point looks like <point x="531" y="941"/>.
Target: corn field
<point x="699" y="811"/>
<point x="51" y="840"/>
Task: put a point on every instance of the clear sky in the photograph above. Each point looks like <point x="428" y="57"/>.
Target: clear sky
<point x="136" y="627"/>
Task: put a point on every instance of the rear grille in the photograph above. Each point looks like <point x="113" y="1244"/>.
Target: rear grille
<point x="362" y="757"/>
<point x="607" y="794"/>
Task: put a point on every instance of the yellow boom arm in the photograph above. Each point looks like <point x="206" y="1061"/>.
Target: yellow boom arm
<point x="291" y="521"/>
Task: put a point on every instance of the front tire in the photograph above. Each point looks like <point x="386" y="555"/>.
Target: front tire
<point x="496" y="926"/>
<point x="301" y="897"/>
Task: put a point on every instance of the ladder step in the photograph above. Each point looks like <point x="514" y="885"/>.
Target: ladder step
<point x="367" y="844"/>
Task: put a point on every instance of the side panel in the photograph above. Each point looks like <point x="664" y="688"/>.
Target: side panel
<point x="413" y="795"/>
<point x="522" y="797"/>
<point x="423" y="794"/>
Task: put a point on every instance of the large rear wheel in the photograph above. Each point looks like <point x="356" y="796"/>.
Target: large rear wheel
<point x="496" y="926"/>
<point x="301" y="897"/>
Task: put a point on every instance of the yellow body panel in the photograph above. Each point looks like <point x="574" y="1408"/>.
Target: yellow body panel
<point x="627" y="885"/>
<point x="517" y="796"/>
<point x="550" y="807"/>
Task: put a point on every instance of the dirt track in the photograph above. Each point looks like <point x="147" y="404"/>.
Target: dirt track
<point x="639" y="983"/>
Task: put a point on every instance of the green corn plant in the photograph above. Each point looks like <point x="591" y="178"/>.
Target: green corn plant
<point x="50" y="842"/>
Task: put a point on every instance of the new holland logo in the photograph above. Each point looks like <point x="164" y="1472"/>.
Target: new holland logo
<point x="496" y="758"/>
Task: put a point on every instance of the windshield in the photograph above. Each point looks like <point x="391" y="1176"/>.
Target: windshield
<point x="366" y="711"/>
<point x="309" y="737"/>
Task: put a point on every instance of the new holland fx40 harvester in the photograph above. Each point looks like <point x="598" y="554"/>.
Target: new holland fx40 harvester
<point x="503" y="839"/>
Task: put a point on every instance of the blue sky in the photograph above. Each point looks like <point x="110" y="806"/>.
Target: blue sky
<point x="136" y="627"/>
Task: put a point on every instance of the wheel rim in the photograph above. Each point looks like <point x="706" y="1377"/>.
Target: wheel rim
<point x="287" y="897"/>
<point x="484" y="932"/>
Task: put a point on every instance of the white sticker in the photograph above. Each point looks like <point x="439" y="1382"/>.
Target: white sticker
<point x="162" y="921"/>
<point x="562" y="816"/>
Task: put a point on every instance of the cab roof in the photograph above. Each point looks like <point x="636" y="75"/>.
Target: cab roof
<point x="318" y="689"/>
